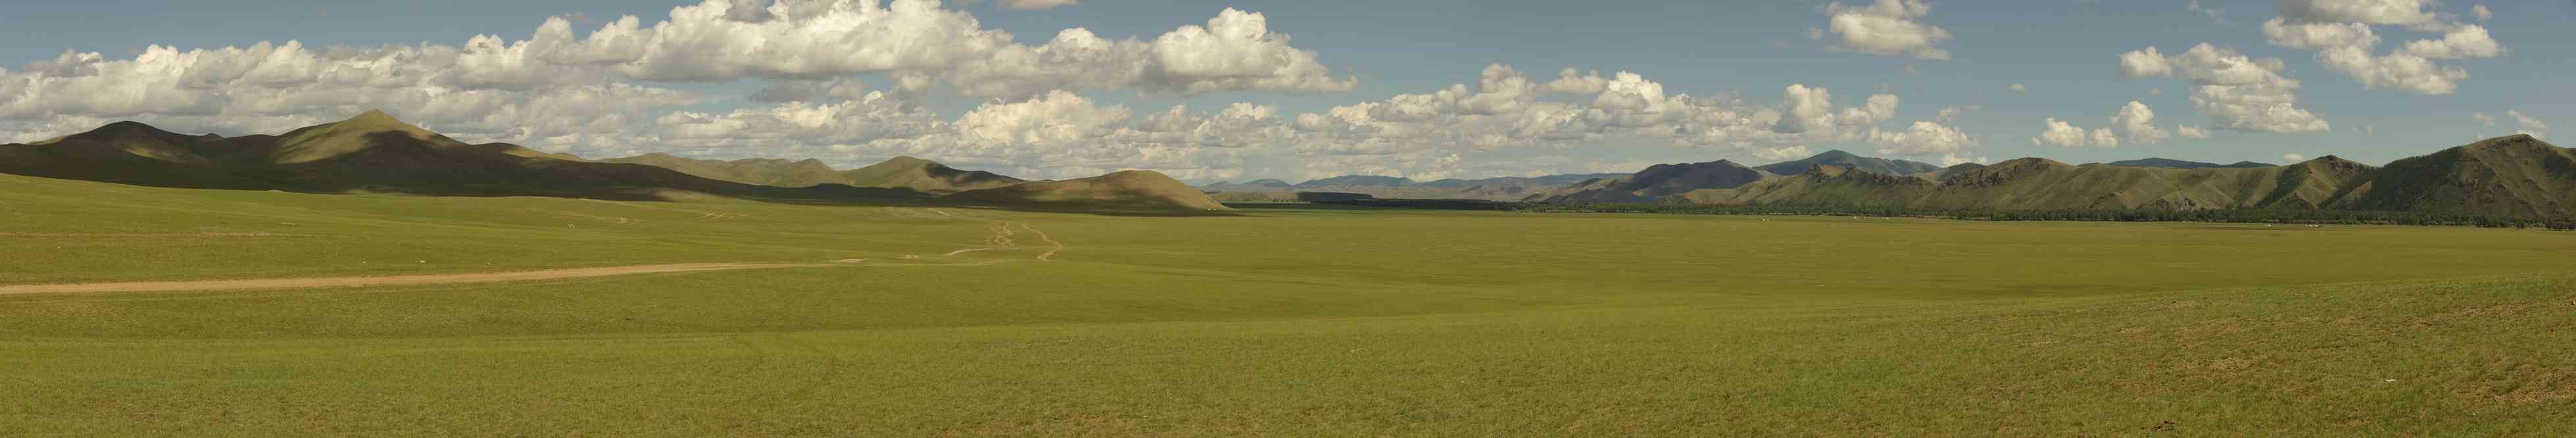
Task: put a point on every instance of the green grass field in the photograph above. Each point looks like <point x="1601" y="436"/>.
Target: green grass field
<point x="1278" y="322"/>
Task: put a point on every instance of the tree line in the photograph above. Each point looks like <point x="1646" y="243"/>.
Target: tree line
<point x="2269" y="216"/>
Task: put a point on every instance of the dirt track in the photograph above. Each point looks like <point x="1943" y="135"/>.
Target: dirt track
<point x="1000" y="240"/>
<point x="397" y="280"/>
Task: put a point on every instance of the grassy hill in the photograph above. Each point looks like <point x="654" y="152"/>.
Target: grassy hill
<point x="1822" y="185"/>
<point x="760" y="171"/>
<point x="2517" y="176"/>
<point x="1659" y="181"/>
<point x="1851" y="161"/>
<point x="903" y="172"/>
<point x="1133" y="189"/>
<point x="372" y="152"/>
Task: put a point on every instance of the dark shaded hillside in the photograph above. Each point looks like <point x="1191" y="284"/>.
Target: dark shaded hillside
<point x="1660" y="181"/>
<point x="759" y="171"/>
<point x="1822" y="185"/>
<point x="1851" y="161"/>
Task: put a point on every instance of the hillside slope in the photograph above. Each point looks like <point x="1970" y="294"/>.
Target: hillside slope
<point x="1659" y="181"/>
<point x="761" y="171"/>
<point x="1133" y="189"/>
<point x="372" y="152"/>
<point x="1849" y="161"/>
<point x="2515" y="176"/>
<point x="904" y="172"/>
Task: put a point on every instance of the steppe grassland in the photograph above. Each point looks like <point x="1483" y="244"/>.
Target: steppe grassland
<point x="1279" y="321"/>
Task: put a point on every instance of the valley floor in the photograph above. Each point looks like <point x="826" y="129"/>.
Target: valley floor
<point x="914" y="321"/>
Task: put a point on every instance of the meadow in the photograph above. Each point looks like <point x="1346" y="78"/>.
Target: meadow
<point x="960" y="321"/>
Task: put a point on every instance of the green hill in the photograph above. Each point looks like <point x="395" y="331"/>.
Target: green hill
<point x="2516" y="176"/>
<point x="1848" y="160"/>
<point x="926" y="176"/>
<point x="1133" y="189"/>
<point x="372" y="152"/>
<point x="1822" y="185"/>
<point x="761" y="171"/>
<point x="1659" y="181"/>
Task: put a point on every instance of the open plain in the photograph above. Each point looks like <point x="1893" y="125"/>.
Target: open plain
<point x="912" y="320"/>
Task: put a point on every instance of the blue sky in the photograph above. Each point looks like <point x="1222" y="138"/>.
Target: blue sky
<point x="2065" y="54"/>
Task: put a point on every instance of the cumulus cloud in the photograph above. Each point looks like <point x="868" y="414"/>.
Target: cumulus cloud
<point x="2236" y="91"/>
<point x="2341" y="32"/>
<point x="2191" y="132"/>
<point x="2293" y="158"/>
<point x="2138" y="124"/>
<point x="2062" y="134"/>
<point x="2133" y="125"/>
<point x="1924" y="138"/>
<point x="2483" y="118"/>
<point x="1954" y="160"/>
<point x="1887" y="28"/>
<point x="2526" y="120"/>
<point x="593" y="94"/>
<point x="2482" y="12"/>
<point x="2016" y="88"/>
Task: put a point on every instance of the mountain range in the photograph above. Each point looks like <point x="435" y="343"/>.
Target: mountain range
<point x="375" y="153"/>
<point x="2513" y="176"/>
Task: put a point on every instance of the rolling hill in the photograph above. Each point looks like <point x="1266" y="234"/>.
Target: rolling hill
<point x="2515" y="176"/>
<point x="761" y="171"/>
<point x="1496" y="189"/>
<point x="1850" y="161"/>
<point x="372" y="152"/>
<point x="903" y="172"/>
<point x="1660" y="181"/>
<point x="1133" y="189"/>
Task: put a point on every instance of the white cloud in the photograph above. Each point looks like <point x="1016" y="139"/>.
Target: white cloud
<point x="2060" y="134"/>
<point x="2482" y="12"/>
<point x="1924" y="138"/>
<point x="2294" y="158"/>
<point x="2465" y="41"/>
<point x="2341" y="32"/>
<point x="2134" y="125"/>
<point x="1951" y="113"/>
<point x="2191" y="132"/>
<point x="1948" y="160"/>
<point x="2144" y="63"/>
<point x="2483" y="118"/>
<point x="2317" y="35"/>
<point x="2526" y="121"/>
<point x="2236" y="91"/>
<point x="2361" y="11"/>
<point x="2016" y="88"/>
<point x="2138" y="124"/>
<point x="1887" y="28"/>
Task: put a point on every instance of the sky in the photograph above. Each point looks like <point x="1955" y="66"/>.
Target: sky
<point x="1297" y="90"/>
